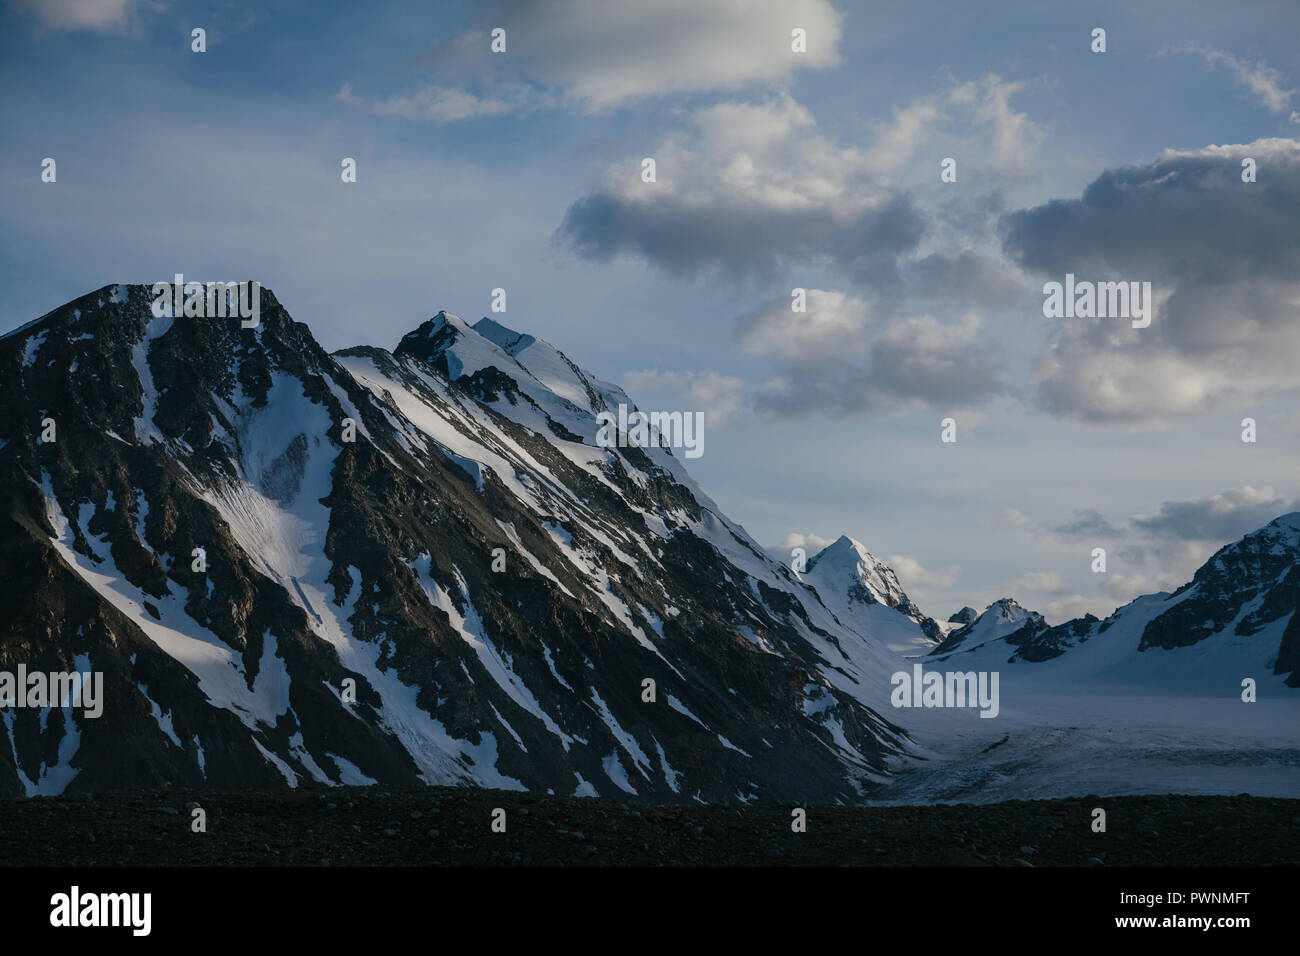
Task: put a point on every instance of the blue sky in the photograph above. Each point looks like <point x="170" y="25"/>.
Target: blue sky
<point x="775" y="170"/>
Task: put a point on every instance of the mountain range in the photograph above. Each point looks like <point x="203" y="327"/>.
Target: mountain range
<point x="1234" y="620"/>
<point x="299" y="568"/>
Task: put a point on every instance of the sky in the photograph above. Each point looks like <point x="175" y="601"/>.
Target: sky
<point x="775" y="169"/>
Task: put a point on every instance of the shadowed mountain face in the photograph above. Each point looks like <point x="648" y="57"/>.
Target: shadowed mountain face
<point x="293" y="567"/>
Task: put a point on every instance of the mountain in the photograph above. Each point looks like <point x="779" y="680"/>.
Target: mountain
<point x="1004" y="616"/>
<point x="294" y="568"/>
<point x="966" y="615"/>
<point x="1235" y="619"/>
<point x="864" y="594"/>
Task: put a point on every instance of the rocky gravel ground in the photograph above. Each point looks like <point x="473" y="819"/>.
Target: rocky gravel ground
<point x="379" y="826"/>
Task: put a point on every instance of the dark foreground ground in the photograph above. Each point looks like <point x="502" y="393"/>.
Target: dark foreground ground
<point x="441" y="826"/>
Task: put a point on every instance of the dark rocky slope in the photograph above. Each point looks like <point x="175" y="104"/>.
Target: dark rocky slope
<point x="329" y="560"/>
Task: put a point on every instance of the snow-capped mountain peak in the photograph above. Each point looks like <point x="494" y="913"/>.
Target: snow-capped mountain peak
<point x="1004" y="616"/>
<point x="551" y="367"/>
<point x="966" y="615"/>
<point x="1009" y="609"/>
<point x="855" y="570"/>
<point x="864" y="592"/>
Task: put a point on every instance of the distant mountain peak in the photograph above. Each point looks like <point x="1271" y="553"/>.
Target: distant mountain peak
<point x="850" y="559"/>
<point x="852" y="579"/>
<point x="430" y="328"/>
<point x="965" y="616"/>
<point x="1002" y="617"/>
<point x="1010" y="609"/>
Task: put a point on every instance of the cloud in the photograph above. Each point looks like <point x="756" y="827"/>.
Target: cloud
<point x="840" y="357"/>
<point x="910" y="128"/>
<point x="1222" y="518"/>
<point x="812" y="543"/>
<point x="1012" y="519"/>
<point x="438" y="104"/>
<point x="987" y="134"/>
<point x="1153" y="565"/>
<point x="963" y="276"/>
<point x="720" y="397"/>
<point x="1088" y="523"/>
<point x="1223" y="257"/>
<point x="593" y="56"/>
<point x="596" y="55"/>
<point x="1014" y="136"/>
<point x="1161" y="552"/>
<point x="1262" y="80"/>
<point x="833" y="323"/>
<point x="101" y="15"/>
<point x="749" y="187"/>
<point x="912" y="575"/>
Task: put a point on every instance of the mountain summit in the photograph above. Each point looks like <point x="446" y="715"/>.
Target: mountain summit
<point x="295" y="569"/>
<point x="865" y="594"/>
<point x="1004" y="616"/>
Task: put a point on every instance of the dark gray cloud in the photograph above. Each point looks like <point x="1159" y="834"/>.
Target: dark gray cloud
<point x="1089" y="523"/>
<point x="1222" y="518"/>
<point x="1223" y="257"/>
<point x="1181" y="217"/>
<point x="687" y="239"/>
<point x="745" y="188"/>
<point x="1216" y="520"/>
